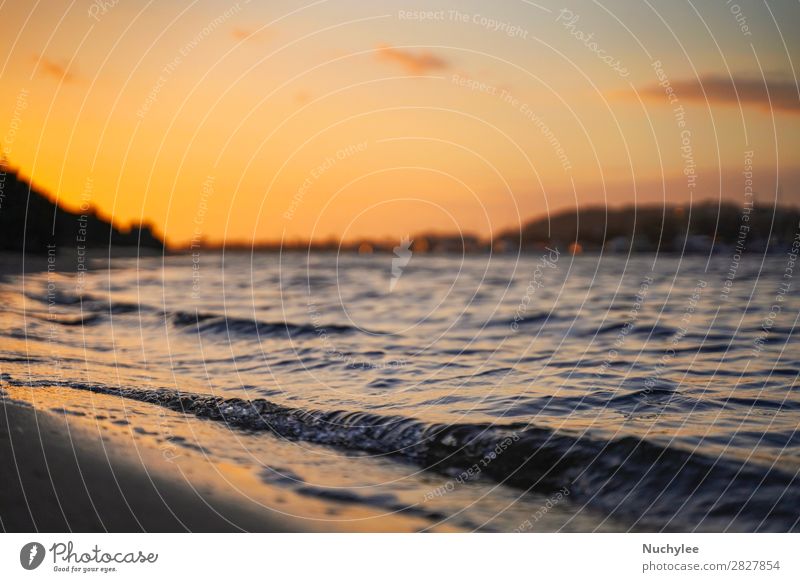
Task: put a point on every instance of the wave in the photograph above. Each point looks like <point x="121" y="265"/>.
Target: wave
<point x="627" y="478"/>
<point x="386" y="501"/>
<point x="86" y="302"/>
<point x="652" y="331"/>
<point x="83" y="319"/>
<point x="92" y="310"/>
<point x="222" y="324"/>
<point x="526" y="319"/>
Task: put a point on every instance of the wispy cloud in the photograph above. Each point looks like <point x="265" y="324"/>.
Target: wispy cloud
<point x="416" y="63"/>
<point x="54" y="69"/>
<point x="252" y="33"/>
<point x="302" y="97"/>
<point x="778" y="95"/>
<point x="242" y="33"/>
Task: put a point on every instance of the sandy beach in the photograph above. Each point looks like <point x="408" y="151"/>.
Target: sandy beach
<point x="59" y="478"/>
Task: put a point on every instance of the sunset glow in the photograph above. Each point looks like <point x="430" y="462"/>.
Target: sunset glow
<point x="331" y="120"/>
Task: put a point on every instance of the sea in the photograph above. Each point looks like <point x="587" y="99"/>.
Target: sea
<point x="543" y="391"/>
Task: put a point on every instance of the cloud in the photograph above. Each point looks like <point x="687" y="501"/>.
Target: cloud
<point x="778" y="95"/>
<point x="415" y="63"/>
<point x="302" y="97"/>
<point x="54" y="69"/>
<point x="241" y="33"/>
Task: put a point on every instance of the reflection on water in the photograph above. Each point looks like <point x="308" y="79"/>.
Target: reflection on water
<point x="449" y="394"/>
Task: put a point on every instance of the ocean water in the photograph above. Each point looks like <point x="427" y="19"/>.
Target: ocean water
<point x="536" y="393"/>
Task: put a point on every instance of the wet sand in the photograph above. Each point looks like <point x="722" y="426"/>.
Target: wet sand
<point x="57" y="478"/>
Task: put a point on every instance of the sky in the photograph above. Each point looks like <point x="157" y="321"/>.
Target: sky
<point x="289" y="121"/>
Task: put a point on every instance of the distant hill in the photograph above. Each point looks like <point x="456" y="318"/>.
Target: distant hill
<point x="667" y="228"/>
<point x="702" y="228"/>
<point x="30" y="221"/>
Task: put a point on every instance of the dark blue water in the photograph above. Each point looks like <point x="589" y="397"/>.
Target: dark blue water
<point x="500" y="393"/>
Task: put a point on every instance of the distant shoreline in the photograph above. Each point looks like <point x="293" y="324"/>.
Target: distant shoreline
<point x="704" y="228"/>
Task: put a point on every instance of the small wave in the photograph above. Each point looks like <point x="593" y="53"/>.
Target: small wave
<point x="56" y="297"/>
<point x="84" y="319"/>
<point x="638" y="388"/>
<point x="652" y="331"/>
<point x="504" y="372"/>
<point x="221" y="324"/>
<point x="92" y="305"/>
<point x="754" y="403"/>
<point x="387" y="502"/>
<point x="526" y="319"/>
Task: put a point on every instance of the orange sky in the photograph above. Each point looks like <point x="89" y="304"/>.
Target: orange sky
<point x="220" y="120"/>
